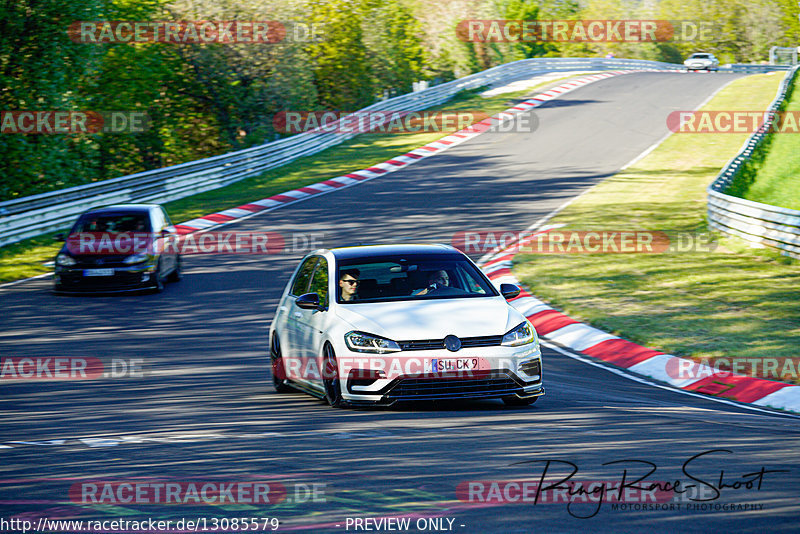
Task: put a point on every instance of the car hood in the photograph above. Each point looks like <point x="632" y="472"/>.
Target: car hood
<point x="432" y="319"/>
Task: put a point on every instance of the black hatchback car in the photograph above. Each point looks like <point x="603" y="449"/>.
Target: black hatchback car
<point x="125" y="247"/>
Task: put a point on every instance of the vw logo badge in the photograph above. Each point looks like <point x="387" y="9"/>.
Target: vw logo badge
<point x="452" y="343"/>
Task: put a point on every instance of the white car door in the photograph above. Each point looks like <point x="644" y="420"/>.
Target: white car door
<point x="312" y="326"/>
<point x="292" y="339"/>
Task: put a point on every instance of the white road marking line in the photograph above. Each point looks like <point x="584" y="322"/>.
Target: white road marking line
<point x="623" y="373"/>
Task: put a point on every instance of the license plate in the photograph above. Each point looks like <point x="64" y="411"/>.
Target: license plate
<point x="447" y="365"/>
<point x="98" y="272"/>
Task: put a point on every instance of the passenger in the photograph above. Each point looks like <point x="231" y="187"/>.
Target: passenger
<point x="435" y="280"/>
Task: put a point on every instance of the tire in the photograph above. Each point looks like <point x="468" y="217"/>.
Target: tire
<point x="516" y="401"/>
<point x="333" y="388"/>
<point x="277" y="367"/>
<point x="158" y="282"/>
<point x="176" y="274"/>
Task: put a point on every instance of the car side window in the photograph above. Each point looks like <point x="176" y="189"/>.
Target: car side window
<point x="301" y="281"/>
<point x="164" y="215"/>
<point x="319" y="282"/>
<point x="472" y="285"/>
<point x="158" y="220"/>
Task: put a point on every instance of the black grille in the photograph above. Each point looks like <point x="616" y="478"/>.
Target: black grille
<point x="91" y="262"/>
<point x="466" y="342"/>
<point x="531" y="367"/>
<point x="490" y="385"/>
<point x="119" y="281"/>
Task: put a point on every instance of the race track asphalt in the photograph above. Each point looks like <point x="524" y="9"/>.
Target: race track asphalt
<point x="205" y="409"/>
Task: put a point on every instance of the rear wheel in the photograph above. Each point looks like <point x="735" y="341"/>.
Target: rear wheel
<point x="333" y="387"/>
<point x="517" y="401"/>
<point x="278" y="370"/>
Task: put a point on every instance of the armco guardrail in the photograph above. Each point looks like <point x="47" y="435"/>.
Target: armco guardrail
<point x="38" y="214"/>
<point x="752" y="69"/>
<point x="758" y="223"/>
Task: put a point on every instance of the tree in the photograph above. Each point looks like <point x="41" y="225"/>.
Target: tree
<point x="341" y="71"/>
<point x="42" y="69"/>
<point x="392" y="37"/>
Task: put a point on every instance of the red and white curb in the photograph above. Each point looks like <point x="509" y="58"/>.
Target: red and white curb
<point x="399" y="162"/>
<point x="681" y="373"/>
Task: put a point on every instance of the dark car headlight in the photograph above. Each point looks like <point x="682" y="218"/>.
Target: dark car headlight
<point x="363" y="342"/>
<point x="522" y="334"/>
<point x="136" y="258"/>
<point x="65" y="260"/>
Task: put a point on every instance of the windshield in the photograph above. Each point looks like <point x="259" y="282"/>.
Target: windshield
<point x="699" y="56"/>
<point x="113" y="223"/>
<point x="410" y="278"/>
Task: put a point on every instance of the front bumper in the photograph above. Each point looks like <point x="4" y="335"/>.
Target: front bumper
<point x="125" y="278"/>
<point x="699" y="66"/>
<point x="495" y="385"/>
<point x="504" y="372"/>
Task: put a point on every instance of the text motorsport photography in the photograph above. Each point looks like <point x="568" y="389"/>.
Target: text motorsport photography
<point x="700" y="487"/>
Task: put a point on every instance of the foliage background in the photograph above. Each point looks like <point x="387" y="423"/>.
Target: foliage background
<point x="209" y="99"/>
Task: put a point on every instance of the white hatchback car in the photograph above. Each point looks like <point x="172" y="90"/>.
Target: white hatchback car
<point x="702" y="61"/>
<point x="375" y="325"/>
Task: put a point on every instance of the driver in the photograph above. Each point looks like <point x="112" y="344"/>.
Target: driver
<point x="435" y="280"/>
<point x="348" y="284"/>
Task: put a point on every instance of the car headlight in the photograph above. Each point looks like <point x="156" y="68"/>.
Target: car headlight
<point x="136" y="258"/>
<point x="65" y="260"/>
<point x="522" y="334"/>
<point x="361" y="342"/>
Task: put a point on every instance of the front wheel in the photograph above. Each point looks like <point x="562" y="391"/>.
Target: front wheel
<point x="158" y="281"/>
<point x="278" y="369"/>
<point x="176" y="274"/>
<point x="333" y="387"/>
<point x="517" y="401"/>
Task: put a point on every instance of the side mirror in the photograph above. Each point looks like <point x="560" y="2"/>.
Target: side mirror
<point x="509" y="291"/>
<point x="59" y="237"/>
<point x="309" y="301"/>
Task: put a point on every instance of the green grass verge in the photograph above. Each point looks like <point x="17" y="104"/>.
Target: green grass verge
<point x="732" y="302"/>
<point x="27" y="258"/>
<point x="777" y="180"/>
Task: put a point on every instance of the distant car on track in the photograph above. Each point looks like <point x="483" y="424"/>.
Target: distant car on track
<point x="702" y="61"/>
<point x="125" y="247"/>
<point x="424" y="324"/>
